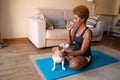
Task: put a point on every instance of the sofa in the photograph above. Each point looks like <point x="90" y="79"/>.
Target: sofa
<point x="42" y="37"/>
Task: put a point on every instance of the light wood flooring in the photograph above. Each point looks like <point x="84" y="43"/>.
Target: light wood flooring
<point x="110" y="41"/>
<point x="16" y="65"/>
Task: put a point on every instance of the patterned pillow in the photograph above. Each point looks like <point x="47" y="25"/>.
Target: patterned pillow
<point x="41" y="16"/>
<point x="91" y="22"/>
<point x="49" y="25"/>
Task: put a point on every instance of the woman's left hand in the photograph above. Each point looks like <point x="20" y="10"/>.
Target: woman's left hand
<point x="70" y="54"/>
<point x="63" y="53"/>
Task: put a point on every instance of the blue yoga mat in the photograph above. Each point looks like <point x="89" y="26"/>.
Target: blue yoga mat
<point x="45" y="65"/>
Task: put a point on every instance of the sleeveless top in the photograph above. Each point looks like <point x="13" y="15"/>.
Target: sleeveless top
<point x="78" y="43"/>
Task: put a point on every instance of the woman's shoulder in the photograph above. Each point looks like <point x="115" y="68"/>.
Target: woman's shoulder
<point x="88" y="32"/>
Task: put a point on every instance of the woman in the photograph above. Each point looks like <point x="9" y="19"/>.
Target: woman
<point x="80" y="56"/>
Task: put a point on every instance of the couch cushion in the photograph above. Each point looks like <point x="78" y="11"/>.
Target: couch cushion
<point x="55" y="16"/>
<point x="56" y="34"/>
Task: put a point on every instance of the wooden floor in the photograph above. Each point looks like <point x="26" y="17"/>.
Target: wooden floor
<point x="110" y="41"/>
<point x="15" y="63"/>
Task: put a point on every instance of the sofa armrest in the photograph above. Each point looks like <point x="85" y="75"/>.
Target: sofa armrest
<point x="36" y="32"/>
<point x="98" y="30"/>
<point x="100" y="27"/>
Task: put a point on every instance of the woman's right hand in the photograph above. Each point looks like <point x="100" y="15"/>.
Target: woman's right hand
<point x="68" y="27"/>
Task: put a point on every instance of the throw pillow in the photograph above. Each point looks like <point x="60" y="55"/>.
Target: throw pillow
<point x="41" y="16"/>
<point x="91" y="22"/>
<point x="49" y="25"/>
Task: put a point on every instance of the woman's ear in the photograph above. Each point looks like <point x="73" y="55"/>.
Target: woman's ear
<point x="83" y="19"/>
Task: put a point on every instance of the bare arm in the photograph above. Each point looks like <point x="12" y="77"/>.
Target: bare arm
<point x="86" y="42"/>
<point x="69" y="39"/>
<point x="70" y="30"/>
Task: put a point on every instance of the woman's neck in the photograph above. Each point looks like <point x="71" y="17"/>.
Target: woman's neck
<point x="82" y="26"/>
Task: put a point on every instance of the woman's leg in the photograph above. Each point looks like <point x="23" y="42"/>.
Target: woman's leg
<point x="78" y="62"/>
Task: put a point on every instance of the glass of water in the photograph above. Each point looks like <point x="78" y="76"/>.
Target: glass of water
<point x="71" y="23"/>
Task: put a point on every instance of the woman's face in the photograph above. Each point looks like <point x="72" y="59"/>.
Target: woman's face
<point x="77" y="20"/>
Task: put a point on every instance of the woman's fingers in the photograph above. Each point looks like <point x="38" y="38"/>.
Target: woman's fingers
<point x="68" y="27"/>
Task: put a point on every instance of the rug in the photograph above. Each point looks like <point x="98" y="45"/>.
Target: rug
<point x="45" y="65"/>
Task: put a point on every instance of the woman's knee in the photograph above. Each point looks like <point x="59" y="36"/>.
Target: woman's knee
<point x="78" y="62"/>
<point x="74" y="65"/>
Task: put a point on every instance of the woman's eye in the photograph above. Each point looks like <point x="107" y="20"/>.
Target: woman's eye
<point x="75" y="18"/>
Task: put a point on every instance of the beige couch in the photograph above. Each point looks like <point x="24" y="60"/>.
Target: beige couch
<point x="42" y="37"/>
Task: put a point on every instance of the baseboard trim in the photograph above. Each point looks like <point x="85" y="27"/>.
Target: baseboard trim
<point x="16" y="39"/>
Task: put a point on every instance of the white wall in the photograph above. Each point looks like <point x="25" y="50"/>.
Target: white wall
<point x="108" y="10"/>
<point x="16" y="12"/>
<point x="0" y="16"/>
